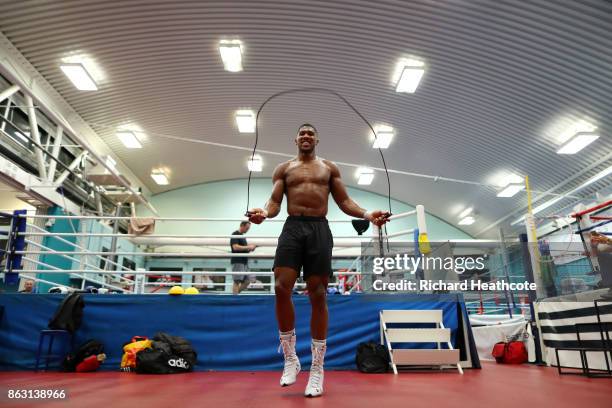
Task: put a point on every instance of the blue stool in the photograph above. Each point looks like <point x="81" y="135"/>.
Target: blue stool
<point x="51" y="334"/>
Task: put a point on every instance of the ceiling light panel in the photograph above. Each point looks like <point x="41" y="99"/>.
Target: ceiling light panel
<point x="129" y="139"/>
<point x="160" y="176"/>
<point x="466" y="212"/>
<point x="245" y="119"/>
<point x="79" y="77"/>
<point x="255" y="164"/>
<point x="384" y="136"/>
<point x="467" y="220"/>
<point x="231" y="55"/>
<point x="577" y="143"/>
<point x="511" y="190"/>
<point x="364" y="176"/>
<point x="408" y="74"/>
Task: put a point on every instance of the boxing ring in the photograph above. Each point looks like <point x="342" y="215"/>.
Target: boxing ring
<point x="34" y="250"/>
<point x="41" y="251"/>
<point x="229" y="332"/>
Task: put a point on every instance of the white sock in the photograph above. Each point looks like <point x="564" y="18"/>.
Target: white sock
<point x="287" y="333"/>
<point x="318" y="353"/>
<point x="288" y="336"/>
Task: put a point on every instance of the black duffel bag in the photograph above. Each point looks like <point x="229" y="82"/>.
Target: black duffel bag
<point x="179" y="346"/>
<point x="372" y="358"/>
<point x="158" y="361"/>
<point x="167" y="355"/>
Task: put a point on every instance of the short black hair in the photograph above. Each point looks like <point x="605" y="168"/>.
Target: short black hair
<point x="308" y="125"/>
<point x="243" y="223"/>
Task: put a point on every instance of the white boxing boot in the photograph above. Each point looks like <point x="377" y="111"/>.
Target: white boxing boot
<point x="292" y="363"/>
<point x="315" y="381"/>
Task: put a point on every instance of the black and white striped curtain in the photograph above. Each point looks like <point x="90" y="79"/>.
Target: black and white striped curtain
<point x="556" y="322"/>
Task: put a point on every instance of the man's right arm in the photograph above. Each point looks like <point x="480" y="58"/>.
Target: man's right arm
<point x="273" y="205"/>
<point x="278" y="190"/>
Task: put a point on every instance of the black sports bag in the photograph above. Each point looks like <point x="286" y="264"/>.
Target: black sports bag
<point x="372" y="358"/>
<point x="89" y="348"/>
<point x="158" y="361"/>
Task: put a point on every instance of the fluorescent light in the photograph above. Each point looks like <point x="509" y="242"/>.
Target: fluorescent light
<point x="384" y="135"/>
<point x="110" y="162"/>
<point x="467" y="221"/>
<point x="577" y="143"/>
<point x="555" y="200"/>
<point x="511" y="190"/>
<point x="409" y="80"/>
<point x="255" y="164"/>
<point x="466" y="212"/>
<point x="79" y="76"/>
<point x="129" y="139"/>
<point x="364" y="175"/>
<point x="89" y="62"/>
<point x="567" y="131"/>
<point x="408" y="74"/>
<point x="231" y="54"/>
<point x="245" y="119"/>
<point x="160" y="177"/>
<point x="504" y="179"/>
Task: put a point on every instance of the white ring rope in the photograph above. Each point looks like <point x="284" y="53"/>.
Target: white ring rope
<point x="151" y="254"/>
<point x="81" y="253"/>
<point x="201" y="284"/>
<point x="54" y="252"/>
<point x="63" y="271"/>
<point x="193" y="219"/>
<point x="228" y="237"/>
<point x="77" y="246"/>
<point x="173" y="273"/>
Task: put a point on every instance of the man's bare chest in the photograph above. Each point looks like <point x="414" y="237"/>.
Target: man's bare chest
<point x="312" y="173"/>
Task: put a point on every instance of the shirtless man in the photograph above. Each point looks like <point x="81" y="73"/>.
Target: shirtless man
<point x="306" y="241"/>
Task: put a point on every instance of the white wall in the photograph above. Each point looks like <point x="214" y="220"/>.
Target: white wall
<point x="227" y="199"/>
<point x="9" y="201"/>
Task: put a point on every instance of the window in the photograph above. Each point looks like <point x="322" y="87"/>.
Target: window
<point x="128" y="263"/>
<point x="103" y="259"/>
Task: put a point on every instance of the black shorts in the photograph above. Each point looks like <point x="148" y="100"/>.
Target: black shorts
<point x="305" y="242"/>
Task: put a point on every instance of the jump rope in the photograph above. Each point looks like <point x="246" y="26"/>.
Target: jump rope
<point x="343" y="99"/>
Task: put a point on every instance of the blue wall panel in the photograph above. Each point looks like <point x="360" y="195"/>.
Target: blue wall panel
<point x="228" y="332"/>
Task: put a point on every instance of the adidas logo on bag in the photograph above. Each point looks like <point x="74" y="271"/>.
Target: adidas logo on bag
<point x="179" y="362"/>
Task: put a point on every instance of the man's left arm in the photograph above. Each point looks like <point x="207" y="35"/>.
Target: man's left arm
<point x="346" y="203"/>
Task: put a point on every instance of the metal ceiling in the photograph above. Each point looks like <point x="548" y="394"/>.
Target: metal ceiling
<point x="502" y="77"/>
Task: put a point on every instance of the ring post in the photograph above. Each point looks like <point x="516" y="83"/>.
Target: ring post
<point x="424" y="245"/>
<point x="17" y="243"/>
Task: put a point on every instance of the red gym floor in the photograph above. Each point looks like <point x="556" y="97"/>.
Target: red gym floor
<point x="493" y="386"/>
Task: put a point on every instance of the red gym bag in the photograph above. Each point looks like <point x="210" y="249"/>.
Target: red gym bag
<point x="513" y="352"/>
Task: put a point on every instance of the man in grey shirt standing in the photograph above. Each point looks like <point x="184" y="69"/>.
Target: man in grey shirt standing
<point x="240" y="264"/>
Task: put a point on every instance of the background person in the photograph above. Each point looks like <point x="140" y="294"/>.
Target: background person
<point x="28" y="287"/>
<point x="240" y="264"/>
